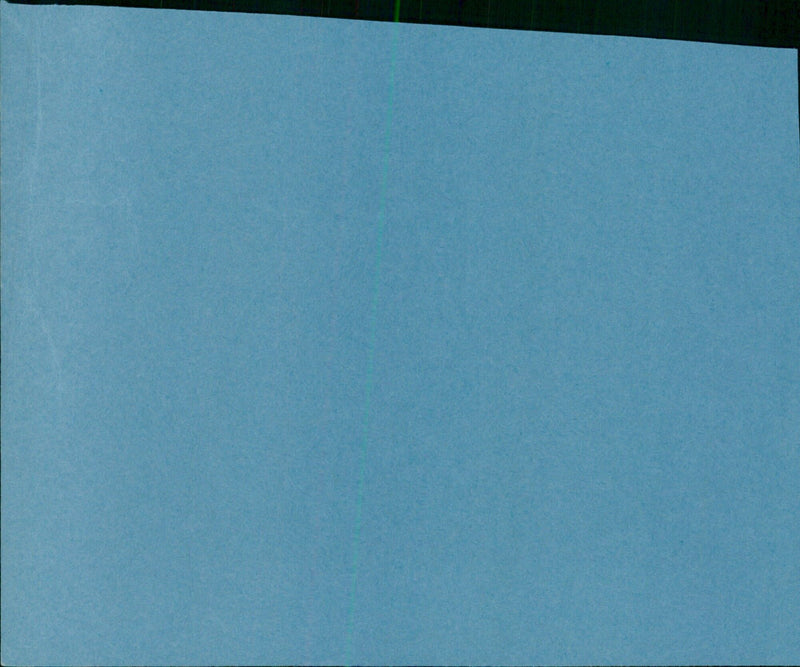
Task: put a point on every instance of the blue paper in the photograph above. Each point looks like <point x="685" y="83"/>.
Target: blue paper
<point x="346" y="342"/>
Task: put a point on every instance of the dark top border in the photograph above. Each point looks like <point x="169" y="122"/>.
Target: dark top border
<point x="771" y="23"/>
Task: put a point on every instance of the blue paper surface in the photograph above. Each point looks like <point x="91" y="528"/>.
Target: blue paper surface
<point x="332" y="341"/>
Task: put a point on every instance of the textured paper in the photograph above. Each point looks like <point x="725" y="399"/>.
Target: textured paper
<point x="330" y="341"/>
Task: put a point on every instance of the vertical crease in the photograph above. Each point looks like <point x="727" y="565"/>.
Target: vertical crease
<point x="372" y="342"/>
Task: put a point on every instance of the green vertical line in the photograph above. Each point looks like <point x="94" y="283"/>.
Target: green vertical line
<point x="371" y="349"/>
<point x="674" y="19"/>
